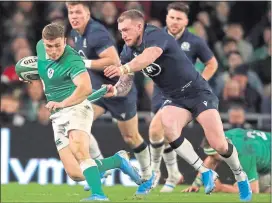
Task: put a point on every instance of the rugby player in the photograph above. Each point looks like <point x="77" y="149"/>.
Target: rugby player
<point x="188" y="95"/>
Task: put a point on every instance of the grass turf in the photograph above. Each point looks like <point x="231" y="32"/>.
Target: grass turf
<point x="14" y="192"/>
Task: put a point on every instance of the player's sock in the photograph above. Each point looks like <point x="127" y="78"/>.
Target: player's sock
<point x="185" y="150"/>
<point x="170" y="159"/>
<point x="108" y="163"/>
<point x="92" y="176"/>
<point x="143" y="156"/>
<point x="231" y="158"/>
<point x="94" y="148"/>
<point x="156" y="151"/>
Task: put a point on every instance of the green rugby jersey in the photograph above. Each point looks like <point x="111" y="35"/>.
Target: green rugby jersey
<point x="254" y="149"/>
<point x="57" y="76"/>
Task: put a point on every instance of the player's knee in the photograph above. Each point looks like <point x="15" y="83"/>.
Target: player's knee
<point x="220" y="147"/>
<point x="132" y="139"/>
<point x="75" y="176"/>
<point x="169" y="128"/>
<point x="156" y="132"/>
<point x="129" y="138"/>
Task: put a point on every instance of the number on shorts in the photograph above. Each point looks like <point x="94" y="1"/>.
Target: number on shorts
<point x="253" y="134"/>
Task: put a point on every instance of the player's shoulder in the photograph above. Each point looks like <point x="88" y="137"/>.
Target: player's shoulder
<point x="71" y="54"/>
<point x="39" y="44"/>
<point x="150" y="29"/>
<point x="74" y="33"/>
<point x="194" y="38"/>
<point x="40" y="50"/>
<point x="95" y="27"/>
<point x="152" y="33"/>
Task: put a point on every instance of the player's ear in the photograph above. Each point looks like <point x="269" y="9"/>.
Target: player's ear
<point x="140" y="26"/>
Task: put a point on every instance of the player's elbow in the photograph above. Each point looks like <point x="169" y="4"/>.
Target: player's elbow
<point x="87" y="89"/>
<point x="213" y="64"/>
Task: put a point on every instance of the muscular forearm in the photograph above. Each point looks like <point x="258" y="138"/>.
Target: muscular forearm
<point x="143" y="60"/>
<point x="79" y="95"/>
<point x="124" y="85"/>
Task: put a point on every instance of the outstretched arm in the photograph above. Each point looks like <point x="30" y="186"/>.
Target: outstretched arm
<point x="140" y="62"/>
<point x="122" y="87"/>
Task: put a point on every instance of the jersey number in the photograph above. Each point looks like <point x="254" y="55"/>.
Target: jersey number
<point x="253" y="134"/>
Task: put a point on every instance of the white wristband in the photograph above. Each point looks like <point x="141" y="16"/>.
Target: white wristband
<point x="88" y="63"/>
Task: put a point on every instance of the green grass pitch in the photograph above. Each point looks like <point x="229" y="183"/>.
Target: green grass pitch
<point x="63" y="193"/>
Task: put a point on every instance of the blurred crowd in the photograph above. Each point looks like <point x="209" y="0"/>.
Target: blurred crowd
<point x="239" y="34"/>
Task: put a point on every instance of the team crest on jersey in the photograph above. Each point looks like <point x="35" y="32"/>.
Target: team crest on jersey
<point x="185" y="46"/>
<point x="50" y="73"/>
<point x="152" y="70"/>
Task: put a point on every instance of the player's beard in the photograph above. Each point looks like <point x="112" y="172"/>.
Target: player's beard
<point x="137" y="40"/>
<point x="178" y="32"/>
<point x="135" y="43"/>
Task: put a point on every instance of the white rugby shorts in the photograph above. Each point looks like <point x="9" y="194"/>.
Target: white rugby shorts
<point x="78" y="117"/>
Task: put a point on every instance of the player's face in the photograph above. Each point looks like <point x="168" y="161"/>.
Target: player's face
<point x="237" y="116"/>
<point x="130" y="31"/>
<point x="78" y="16"/>
<point x="176" y="21"/>
<point x="54" y="48"/>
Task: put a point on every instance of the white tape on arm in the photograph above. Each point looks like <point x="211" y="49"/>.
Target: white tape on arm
<point x="88" y="63"/>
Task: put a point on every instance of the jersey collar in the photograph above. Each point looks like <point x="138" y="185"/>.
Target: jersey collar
<point x="184" y="34"/>
<point x="87" y="27"/>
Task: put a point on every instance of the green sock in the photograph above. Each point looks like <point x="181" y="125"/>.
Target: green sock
<point x="92" y="177"/>
<point x="108" y="163"/>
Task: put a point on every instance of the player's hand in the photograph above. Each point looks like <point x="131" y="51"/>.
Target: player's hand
<point x="53" y="106"/>
<point x="25" y="81"/>
<point x="111" y="91"/>
<point x="112" y="71"/>
<point x="191" y="189"/>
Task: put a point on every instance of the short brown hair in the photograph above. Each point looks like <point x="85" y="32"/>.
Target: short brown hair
<point x="179" y="6"/>
<point x="73" y="3"/>
<point x="53" y="31"/>
<point x="132" y="14"/>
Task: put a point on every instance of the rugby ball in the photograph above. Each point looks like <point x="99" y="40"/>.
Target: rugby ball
<point x="27" y="68"/>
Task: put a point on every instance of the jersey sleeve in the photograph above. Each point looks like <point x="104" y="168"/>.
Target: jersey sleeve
<point x="76" y="67"/>
<point x="156" y="38"/>
<point x="204" y="53"/>
<point x="249" y="165"/>
<point x="100" y="40"/>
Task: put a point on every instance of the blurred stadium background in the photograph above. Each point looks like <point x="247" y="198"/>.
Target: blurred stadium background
<point x="239" y="33"/>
